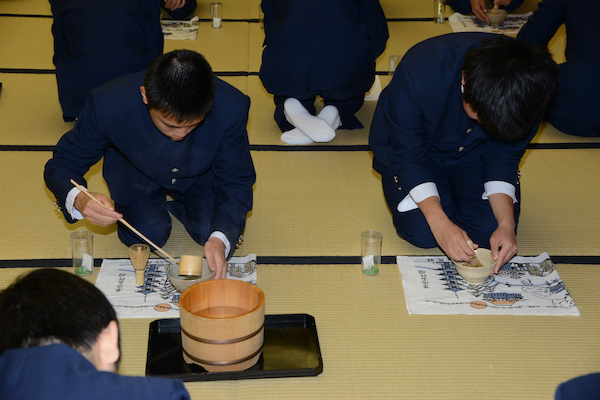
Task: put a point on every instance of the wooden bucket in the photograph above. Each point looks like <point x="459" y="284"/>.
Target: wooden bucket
<point x="222" y="324"/>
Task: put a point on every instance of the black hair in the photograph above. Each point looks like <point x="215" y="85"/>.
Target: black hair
<point x="509" y="84"/>
<point x="52" y="306"/>
<point x="180" y="84"/>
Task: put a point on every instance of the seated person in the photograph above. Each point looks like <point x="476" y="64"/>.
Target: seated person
<point x="575" y="109"/>
<point x="174" y="129"/>
<point x="59" y="340"/>
<point x="179" y="9"/>
<point x="97" y="41"/>
<point x="479" y="7"/>
<point x="320" y="48"/>
<point x="448" y="134"/>
<point x="585" y="387"/>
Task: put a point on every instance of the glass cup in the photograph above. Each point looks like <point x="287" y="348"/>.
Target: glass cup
<point x="216" y="9"/>
<point x="370" y="252"/>
<point x="394" y="61"/>
<point x="82" y="246"/>
<point x="439" y="10"/>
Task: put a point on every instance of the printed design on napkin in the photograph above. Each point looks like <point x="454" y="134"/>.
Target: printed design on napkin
<point x="156" y="297"/>
<point x="525" y="286"/>
<point x="469" y="23"/>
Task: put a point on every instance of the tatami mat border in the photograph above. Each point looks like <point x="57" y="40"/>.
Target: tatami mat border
<point x="26" y="15"/>
<point x="284" y="260"/>
<point x="274" y="147"/>
<point x="252" y="20"/>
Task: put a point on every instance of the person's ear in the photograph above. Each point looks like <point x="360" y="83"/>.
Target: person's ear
<point x="107" y="348"/>
<point x="143" y="93"/>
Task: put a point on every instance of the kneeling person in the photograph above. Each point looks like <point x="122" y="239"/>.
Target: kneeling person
<point x="175" y="130"/>
<point x="448" y="135"/>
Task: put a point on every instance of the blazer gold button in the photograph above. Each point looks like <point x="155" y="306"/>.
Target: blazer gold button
<point x="460" y="149"/>
<point x="173" y="181"/>
<point x="175" y="170"/>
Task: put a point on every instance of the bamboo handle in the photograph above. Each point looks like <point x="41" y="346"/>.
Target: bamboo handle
<point x="127" y="224"/>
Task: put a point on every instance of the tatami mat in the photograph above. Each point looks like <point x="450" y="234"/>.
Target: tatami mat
<point x="226" y="49"/>
<point x="26" y="43"/>
<point x="256" y="37"/>
<point x="315" y="204"/>
<point x="373" y="349"/>
<point x="25" y="7"/>
<point x="41" y="124"/>
<point x="560" y="202"/>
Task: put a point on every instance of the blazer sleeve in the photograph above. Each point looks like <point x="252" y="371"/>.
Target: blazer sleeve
<point x="234" y="177"/>
<point x="74" y="154"/>
<point x="543" y="23"/>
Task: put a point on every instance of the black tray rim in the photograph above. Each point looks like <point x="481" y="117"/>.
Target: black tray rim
<point x="247" y="374"/>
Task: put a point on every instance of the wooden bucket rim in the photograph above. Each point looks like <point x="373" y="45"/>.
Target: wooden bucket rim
<point x="186" y="292"/>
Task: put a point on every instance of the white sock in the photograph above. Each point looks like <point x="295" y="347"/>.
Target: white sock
<point x="295" y="136"/>
<point x="331" y="115"/>
<point x="317" y="129"/>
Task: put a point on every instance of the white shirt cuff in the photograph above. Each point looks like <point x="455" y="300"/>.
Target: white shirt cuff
<point x="73" y="212"/>
<point x="417" y="195"/>
<point x="219" y="235"/>
<point x="494" y="187"/>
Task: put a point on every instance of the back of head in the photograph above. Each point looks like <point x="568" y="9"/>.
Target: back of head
<point x="180" y="84"/>
<point x="509" y="84"/>
<point x="52" y="306"/>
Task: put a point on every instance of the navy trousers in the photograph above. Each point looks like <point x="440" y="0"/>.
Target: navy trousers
<point x="149" y="214"/>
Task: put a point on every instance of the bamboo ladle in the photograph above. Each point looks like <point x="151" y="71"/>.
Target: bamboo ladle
<point x="187" y="266"/>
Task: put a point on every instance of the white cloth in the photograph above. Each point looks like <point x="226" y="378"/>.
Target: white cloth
<point x="429" y="189"/>
<point x="524" y="286"/>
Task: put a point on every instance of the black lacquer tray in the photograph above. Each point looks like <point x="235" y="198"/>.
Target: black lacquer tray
<point x="291" y="348"/>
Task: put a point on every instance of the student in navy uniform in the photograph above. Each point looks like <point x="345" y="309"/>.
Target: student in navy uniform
<point x="59" y="340"/>
<point x="175" y="129"/>
<point x="585" y="387"/>
<point x="97" y="41"/>
<point x="178" y="9"/>
<point x="448" y="134"/>
<point x="320" y="48"/>
<point x="479" y="7"/>
<point x="575" y="110"/>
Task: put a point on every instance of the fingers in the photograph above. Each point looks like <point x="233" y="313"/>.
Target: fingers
<point x="174" y="4"/>
<point x="503" y="248"/>
<point x="100" y="213"/>
<point x="479" y="10"/>
<point x="481" y="15"/>
<point x="214" y="251"/>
